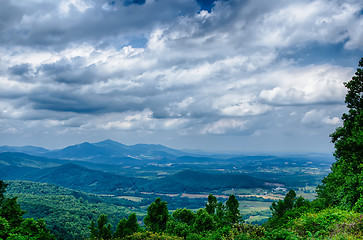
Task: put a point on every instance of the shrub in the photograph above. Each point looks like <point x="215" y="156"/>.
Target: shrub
<point x="331" y="222"/>
<point x="151" y="235"/>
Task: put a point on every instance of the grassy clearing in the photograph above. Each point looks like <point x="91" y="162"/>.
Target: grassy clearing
<point x="307" y="192"/>
<point x="253" y="206"/>
<point x="257" y="192"/>
<point x="243" y="191"/>
<point x="131" y="198"/>
<point x="255" y="212"/>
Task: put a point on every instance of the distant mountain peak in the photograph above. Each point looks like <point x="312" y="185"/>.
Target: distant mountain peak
<point x="104" y="151"/>
<point x="109" y="142"/>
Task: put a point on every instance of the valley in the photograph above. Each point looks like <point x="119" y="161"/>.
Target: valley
<point x="115" y="179"/>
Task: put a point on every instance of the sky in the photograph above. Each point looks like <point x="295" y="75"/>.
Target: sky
<point x="219" y="76"/>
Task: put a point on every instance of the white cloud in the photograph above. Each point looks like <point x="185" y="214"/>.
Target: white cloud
<point x="332" y="121"/>
<point x="303" y="21"/>
<point x="355" y="36"/>
<point x="175" y="123"/>
<point x="10" y="130"/>
<point x="66" y="6"/>
<point x="317" y="118"/>
<point x="129" y="121"/>
<point x="122" y="125"/>
<point x="239" y="105"/>
<point x="306" y="85"/>
<point x="225" y="125"/>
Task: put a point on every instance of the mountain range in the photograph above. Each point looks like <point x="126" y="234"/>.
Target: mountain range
<point x="111" y="167"/>
<point x="107" y="151"/>
<point x="65" y="173"/>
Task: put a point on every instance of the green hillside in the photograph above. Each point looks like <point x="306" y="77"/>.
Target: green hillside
<point x="193" y="181"/>
<point x="84" y="179"/>
<point x="67" y="212"/>
<point x="25" y="160"/>
<point x="18" y="166"/>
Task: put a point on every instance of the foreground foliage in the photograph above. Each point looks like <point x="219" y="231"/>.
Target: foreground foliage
<point x="344" y="185"/>
<point x="330" y="223"/>
<point x="14" y="226"/>
<point x="212" y="222"/>
<point x="66" y="212"/>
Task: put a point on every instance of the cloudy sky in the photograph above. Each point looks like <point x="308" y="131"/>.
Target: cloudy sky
<point x="229" y="75"/>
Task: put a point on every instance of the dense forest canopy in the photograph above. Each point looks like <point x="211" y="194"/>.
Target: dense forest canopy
<point x="12" y="223"/>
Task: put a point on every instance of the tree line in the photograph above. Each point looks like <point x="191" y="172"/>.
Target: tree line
<point x="181" y="223"/>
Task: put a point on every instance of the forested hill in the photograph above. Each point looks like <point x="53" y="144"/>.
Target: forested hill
<point x="18" y="166"/>
<point x="67" y="212"/>
<point x="193" y="182"/>
<point x="18" y="159"/>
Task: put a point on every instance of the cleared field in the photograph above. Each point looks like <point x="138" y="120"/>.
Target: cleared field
<point x="131" y="198"/>
<point x="255" y="212"/>
<point x="307" y="192"/>
<point x="242" y="192"/>
<point x="201" y="195"/>
<point x="253" y="206"/>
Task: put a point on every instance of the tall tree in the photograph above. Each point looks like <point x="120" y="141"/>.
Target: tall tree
<point x="157" y="216"/>
<point x="2" y="191"/>
<point x="233" y="214"/>
<point x="11" y="211"/>
<point x="131" y="225"/>
<point x="184" y="215"/>
<point x="220" y="211"/>
<point x="181" y="222"/>
<point x="289" y="208"/>
<point x="211" y="204"/>
<point x="344" y="185"/>
<point x="127" y="227"/>
<point x="103" y="228"/>
<point x="204" y="221"/>
<point x="120" y="229"/>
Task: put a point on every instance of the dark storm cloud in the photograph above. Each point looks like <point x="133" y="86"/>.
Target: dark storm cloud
<point x="20" y="70"/>
<point x="71" y="101"/>
<point x="76" y="94"/>
<point x="9" y="16"/>
<point x="69" y="72"/>
<point x="12" y="94"/>
<point x="65" y="102"/>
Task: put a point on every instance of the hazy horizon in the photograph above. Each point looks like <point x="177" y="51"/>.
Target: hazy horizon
<point x="195" y="151"/>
